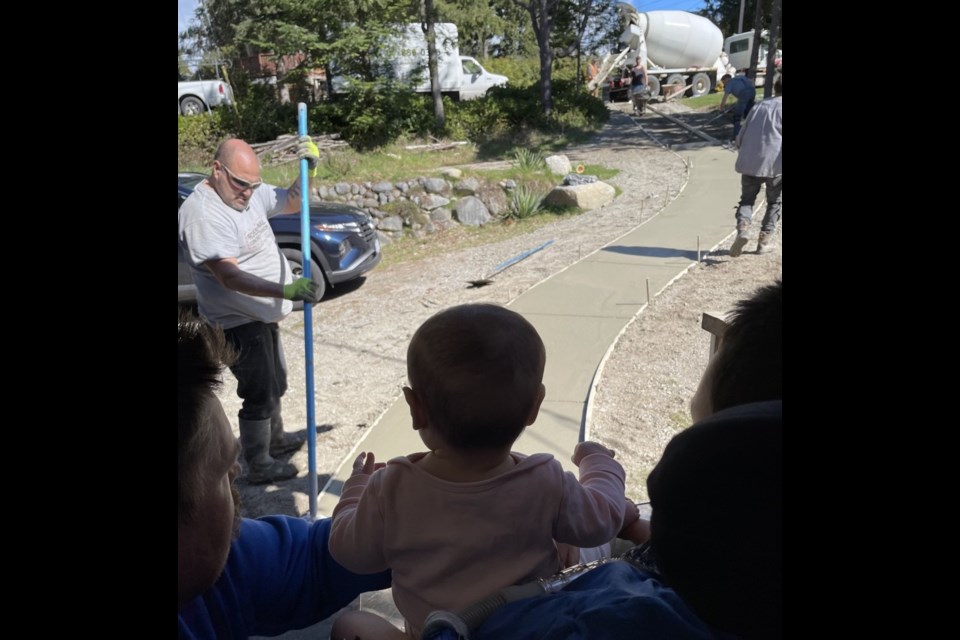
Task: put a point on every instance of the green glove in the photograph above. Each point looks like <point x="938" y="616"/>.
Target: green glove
<point x="301" y="289"/>
<point x="308" y="151"/>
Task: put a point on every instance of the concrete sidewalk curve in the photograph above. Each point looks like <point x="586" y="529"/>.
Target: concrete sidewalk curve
<point x="580" y="311"/>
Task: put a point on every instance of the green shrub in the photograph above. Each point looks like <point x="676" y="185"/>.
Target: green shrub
<point x="528" y="161"/>
<point x="526" y="202"/>
<point x="372" y="115"/>
<point x="476" y="120"/>
<point x="198" y="138"/>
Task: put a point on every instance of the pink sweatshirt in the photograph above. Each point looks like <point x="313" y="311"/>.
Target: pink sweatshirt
<point x="451" y="544"/>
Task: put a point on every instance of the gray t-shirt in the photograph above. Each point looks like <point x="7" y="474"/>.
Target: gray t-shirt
<point x="761" y="141"/>
<point x="210" y="230"/>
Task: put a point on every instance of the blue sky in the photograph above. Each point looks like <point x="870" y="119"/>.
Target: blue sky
<point x="185" y="8"/>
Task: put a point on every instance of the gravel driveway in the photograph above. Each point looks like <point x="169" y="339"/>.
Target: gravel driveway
<point x="361" y="335"/>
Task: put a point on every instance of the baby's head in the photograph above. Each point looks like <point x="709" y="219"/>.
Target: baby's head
<point x="476" y="370"/>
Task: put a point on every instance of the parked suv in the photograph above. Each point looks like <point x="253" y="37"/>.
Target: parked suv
<point x="343" y="243"/>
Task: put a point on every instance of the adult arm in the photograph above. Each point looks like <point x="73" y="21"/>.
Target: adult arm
<point x="283" y="576"/>
<point x="306" y="150"/>
<point x="231" y="276"/>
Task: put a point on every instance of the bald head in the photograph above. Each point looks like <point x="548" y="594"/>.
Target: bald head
<point x="238" y="156"/>
<point x="234" y="165"/>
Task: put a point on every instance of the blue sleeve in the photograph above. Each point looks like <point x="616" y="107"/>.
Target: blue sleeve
<point x="279" y="576"/>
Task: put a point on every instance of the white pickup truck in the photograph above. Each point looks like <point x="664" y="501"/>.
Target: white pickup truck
<point x="195" y="97"/>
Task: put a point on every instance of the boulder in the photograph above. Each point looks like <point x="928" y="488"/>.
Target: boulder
<point x="585" y="196"/>
<point x="472" y="212"/>
<point x="558" y="164"/>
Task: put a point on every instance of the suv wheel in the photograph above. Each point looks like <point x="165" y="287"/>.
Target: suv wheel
<point x="295" y="258"/>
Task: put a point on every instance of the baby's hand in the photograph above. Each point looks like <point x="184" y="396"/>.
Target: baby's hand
<point x="365" y="464"/>
<point x="585" y="449"/>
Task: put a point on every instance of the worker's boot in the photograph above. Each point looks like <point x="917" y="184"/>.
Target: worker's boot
<point x="255" y="439"/>
<point x="280" y="441"/>
<point x="737" y="247"/>
<point x="762" y="242"/>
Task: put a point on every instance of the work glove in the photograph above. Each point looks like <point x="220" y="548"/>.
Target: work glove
<point x="301" y="289"/>
<point x="308" y="151"/>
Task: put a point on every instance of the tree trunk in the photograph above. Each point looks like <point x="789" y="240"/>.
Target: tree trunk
<point x="541" y="17"/>
<point x="757" y="28"/>
<point x="772" y="48"/>
<point x="428" y="16"/>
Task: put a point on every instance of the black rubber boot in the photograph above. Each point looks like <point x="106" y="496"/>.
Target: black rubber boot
<point x="255" y="439"/>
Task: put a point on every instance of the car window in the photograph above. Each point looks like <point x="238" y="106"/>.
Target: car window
<point x="470" y="67"/>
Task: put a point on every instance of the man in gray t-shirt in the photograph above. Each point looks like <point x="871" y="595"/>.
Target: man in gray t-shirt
<point x="244" y="285"/>
<point x="760" y="163"/>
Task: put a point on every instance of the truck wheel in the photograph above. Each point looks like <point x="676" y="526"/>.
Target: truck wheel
<point x="295" y="258"/>
<point x="654" y="84"/>
<point x="191" y="106"/>
<point x="701" y="85"/>
<point x="676" y="78"/>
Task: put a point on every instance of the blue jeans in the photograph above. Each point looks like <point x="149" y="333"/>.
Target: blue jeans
<point x="260" y="368"/>
<point x="749" y="190"/>
<point x="740" y="111"/>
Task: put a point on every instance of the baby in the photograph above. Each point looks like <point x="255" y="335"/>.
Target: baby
<point x="470" y="516"/>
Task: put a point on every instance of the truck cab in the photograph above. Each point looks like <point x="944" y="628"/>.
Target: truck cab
<point x="476" y="80"/>
<point x="738" y="48"/>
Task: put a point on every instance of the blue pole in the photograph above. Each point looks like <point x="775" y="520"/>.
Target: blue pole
<point x="307" y="316"/>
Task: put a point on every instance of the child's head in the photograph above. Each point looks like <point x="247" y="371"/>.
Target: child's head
<point x="748" y="366"/>
<point x="476" y="371"/>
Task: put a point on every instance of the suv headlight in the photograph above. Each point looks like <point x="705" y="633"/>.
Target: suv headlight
<point x="337" y="226"/>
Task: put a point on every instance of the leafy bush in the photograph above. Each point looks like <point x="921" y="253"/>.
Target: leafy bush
<point x="198" y="138"/>
<point x="371" y="115"/>
<point x="260" y="116"/>
<point x="475" y="120"/>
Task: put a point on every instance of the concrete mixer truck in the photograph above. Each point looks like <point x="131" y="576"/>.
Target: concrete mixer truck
<point x="678" y="47"/>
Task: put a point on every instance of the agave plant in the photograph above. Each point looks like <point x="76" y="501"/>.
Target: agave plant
<point x="527" y="201"/>
<point x="527" y="160"/>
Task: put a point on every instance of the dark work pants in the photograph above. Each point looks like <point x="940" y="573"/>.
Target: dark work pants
<point x="740" y="111"/>
<point x="749" y="190"/>
<point x="260" y="368"/>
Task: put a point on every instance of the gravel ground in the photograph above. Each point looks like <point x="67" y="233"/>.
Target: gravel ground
<point x="361" y="333"/>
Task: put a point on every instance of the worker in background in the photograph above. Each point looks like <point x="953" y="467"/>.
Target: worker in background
<point x="593" y="70"/>
<point x="743" y="89"/>
<point x="639" y="92"/>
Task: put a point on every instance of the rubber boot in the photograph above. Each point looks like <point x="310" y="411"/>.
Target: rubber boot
<point x="255" y="440"/>
<point x="762" y="242"/>
<point x="281" y="442"/>
<point x="741" y="241"/>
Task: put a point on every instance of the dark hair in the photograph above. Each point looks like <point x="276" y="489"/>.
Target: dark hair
<point x="716" y="530"/>
<point x="725" y="77"/>
<point x="202" y="353"/>
<point x="478" y="369"/>
<point x="749" y="362"/>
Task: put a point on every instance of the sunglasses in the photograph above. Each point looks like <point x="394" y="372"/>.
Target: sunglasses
<point x="240" y="185"/>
